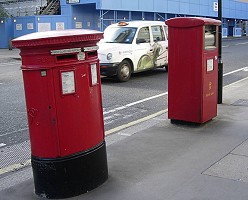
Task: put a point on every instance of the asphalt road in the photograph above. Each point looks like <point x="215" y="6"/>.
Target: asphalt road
<point x="145" y="94"/>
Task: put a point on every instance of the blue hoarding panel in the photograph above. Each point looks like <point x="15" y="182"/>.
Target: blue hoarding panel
<point x="224" y="32"/>
<point x="204" y="10"/>
<point x="87" y="17"/>
<point x="147" y="6"/>
<point x="195" y="9"/>
<point x="225" y="12"/>
<point x="24" y="25"/>
<point x="160" y="6"/>
<point x="5" y="30"/>
<point x="237" y="32"/>
<point x="116" y="5"/>
<point x="136" y="15"/>
<point x="173" y="6"/>
<point x="184" y="8"/>
<point x="195" y="1"/>
<point x="126" y="5"/>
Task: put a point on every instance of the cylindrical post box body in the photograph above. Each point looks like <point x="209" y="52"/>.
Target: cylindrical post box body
<point x="64" y="107"/>
<point x="193" y="69"/>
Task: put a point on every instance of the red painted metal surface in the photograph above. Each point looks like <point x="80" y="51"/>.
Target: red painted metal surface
<point x="192" y="89"/>
<point x="64" y="108"/>
<point x="187" y="22"/>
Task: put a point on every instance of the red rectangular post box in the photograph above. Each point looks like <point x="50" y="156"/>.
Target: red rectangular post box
<point x="193" y="69"/>
<point x="64" y="107"/>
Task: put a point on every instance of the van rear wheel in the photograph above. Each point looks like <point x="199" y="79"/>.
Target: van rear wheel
<point x="123" y="71"/>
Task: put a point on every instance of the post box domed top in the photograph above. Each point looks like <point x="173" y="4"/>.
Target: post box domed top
<point x="186" y="22"/>
<point x="57" y="37"/>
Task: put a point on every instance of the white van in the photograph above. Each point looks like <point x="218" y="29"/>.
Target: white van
<point x="131" y="47"/>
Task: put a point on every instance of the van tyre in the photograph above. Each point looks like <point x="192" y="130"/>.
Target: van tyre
<point x="123" y="71"/>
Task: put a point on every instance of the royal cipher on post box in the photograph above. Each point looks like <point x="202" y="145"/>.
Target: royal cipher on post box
<point x="193" y="69"/>
<point x="64" y="108"/>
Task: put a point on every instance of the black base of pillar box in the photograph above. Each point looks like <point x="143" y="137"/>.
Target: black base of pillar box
<point x="72" y="175"/>
<point x="181" y="122"/>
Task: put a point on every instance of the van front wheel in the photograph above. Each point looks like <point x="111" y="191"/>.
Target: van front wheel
<point x="123" y="71"/>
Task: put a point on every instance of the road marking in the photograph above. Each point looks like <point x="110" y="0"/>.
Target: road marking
<point x="1" y="83"/>
<point x="24" y="129"/>
<point x="15" y="167"/>
<point x="125" y="134"/>
<point x="235" y="82"/>
<point x="232" y="72"/>
<point x="241" y="43"/>
<point x="235" y="44"/>
<point x="119" y="128"/>
<point x="135" y="103"/>
<point x="2" y="145"/>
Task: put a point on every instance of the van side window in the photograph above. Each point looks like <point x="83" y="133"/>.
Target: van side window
<point x="143" y="35"/>
<point x="158" y="33"/>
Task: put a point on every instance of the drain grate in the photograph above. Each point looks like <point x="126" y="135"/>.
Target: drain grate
<point x="241" y="102"/>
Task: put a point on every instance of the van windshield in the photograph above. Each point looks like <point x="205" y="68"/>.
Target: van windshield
<point x="119" y="35"/>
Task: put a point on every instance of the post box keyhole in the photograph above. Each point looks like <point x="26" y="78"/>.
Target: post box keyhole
<point x="49" y="107"/>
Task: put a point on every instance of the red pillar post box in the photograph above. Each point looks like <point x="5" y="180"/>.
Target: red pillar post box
<point x="64" y="108"/>
<point x="193" y="69"/>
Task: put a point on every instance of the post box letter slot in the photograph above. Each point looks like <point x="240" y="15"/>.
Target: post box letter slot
<point x="66" y="57"/>
<point x="91" y="54"/>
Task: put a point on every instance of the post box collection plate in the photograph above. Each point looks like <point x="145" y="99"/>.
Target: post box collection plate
<point x="68" y="82"/>
<point x="210" y="65"/>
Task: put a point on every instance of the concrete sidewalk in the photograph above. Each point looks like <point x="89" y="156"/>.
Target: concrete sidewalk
<point x="9" y="55"/>
<point x="167" y="161"/>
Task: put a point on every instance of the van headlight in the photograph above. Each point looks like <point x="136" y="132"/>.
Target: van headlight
<point x="109" y="56"/>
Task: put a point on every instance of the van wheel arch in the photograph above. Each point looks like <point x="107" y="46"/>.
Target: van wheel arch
<point x="124" y="71"/>
<point x="131" y="64"/>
